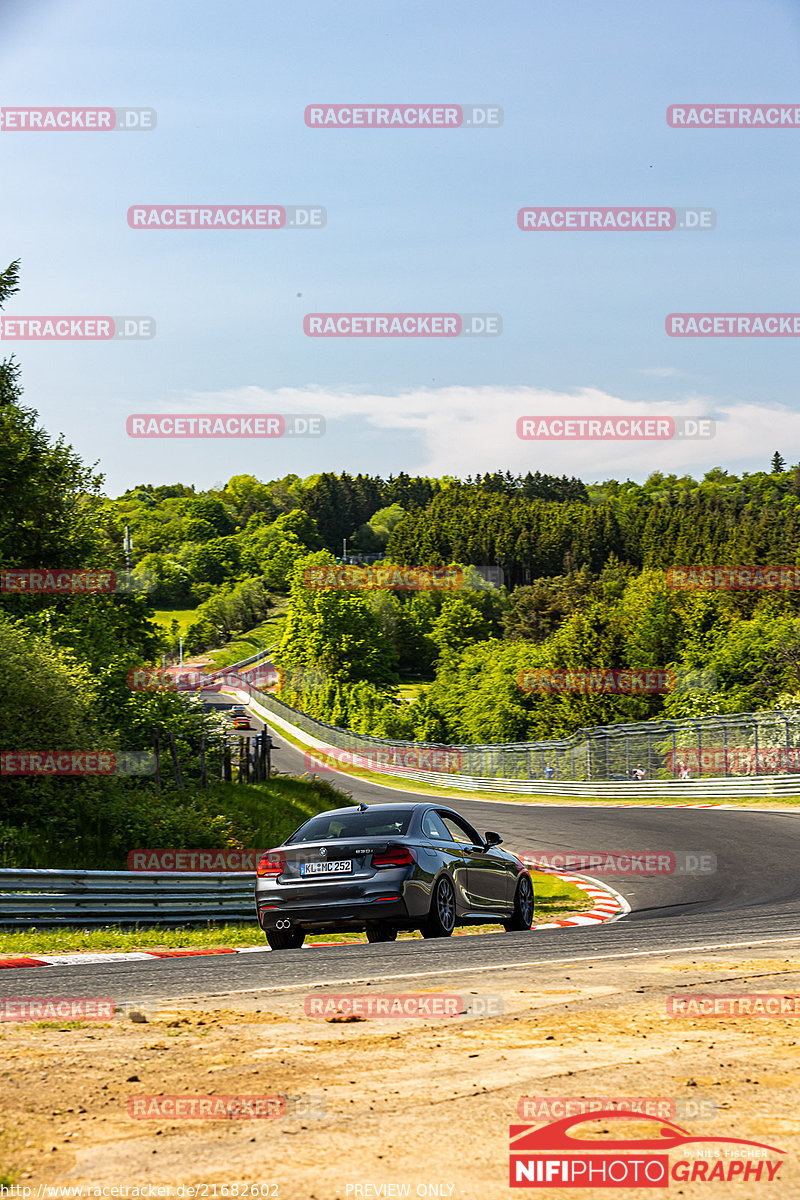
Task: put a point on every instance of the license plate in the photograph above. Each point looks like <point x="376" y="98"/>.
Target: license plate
<point x="341" y="866"/>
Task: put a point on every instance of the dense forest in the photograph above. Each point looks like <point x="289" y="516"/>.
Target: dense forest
<point x="586" y="584"/>
<point x="667" y="521"/>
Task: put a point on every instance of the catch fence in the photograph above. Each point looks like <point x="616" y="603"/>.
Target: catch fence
<point x="740" y="745"/>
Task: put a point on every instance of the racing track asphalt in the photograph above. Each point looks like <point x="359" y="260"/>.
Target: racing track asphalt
<point x="751" y="899"/>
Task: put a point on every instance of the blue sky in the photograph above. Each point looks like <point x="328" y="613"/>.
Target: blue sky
<point x="417" y="220"/>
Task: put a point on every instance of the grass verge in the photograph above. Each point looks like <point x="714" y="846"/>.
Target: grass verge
<point x="165" y="617"/>
<point x="248" y="643"/>
<point x="101" y="834"/>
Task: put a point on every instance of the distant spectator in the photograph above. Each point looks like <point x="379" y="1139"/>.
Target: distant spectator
<point x="685" y="773"/>
<point x="639" y="773"/>
<point x="549" y="772"/>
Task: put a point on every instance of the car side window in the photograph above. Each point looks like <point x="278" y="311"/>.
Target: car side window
<point x="460" y="831"/>
<point x="434" y="827"/>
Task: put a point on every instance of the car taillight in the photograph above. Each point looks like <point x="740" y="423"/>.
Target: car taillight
<point x="270" y="865"/>
<point x="393" y="856"/>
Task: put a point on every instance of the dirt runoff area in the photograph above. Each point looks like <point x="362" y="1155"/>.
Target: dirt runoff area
<point x="349" y="1102"/>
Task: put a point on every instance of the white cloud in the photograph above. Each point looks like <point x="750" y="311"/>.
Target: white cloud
<point x="463" y="430"/>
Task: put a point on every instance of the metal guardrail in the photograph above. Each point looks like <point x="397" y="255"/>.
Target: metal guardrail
<point x="124" y="898"/>
<point x="233" y="669"/>
<point x="741" y="748"/>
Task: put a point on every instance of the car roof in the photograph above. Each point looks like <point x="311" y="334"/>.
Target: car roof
<point x="404" y="805"/>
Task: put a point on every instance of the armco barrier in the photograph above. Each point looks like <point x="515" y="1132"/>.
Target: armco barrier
<point x="235" y="668"/>
<point x="123" y="897"/>
<point x="328" y="738"/>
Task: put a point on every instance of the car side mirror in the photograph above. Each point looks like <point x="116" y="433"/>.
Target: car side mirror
<point x="492" y="839"/>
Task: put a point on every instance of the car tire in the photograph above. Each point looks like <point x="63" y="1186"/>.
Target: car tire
<point x="442" y="916"/>
<point x="522" y="916"/>
<point x="285" y="939"/>
<point x="381" y="933"/>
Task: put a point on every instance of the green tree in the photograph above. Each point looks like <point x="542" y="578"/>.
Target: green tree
<point x="47" y="702"/>
<point x="212" y="510"/>
<point x="458" y="625"/>
<point x="47" y="517"/>
<point x="215" y="561"/>
<point x="173" y="582"/>
<point x="333" y="632"/>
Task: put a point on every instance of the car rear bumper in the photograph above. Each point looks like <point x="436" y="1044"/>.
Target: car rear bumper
<point x="352" y="913"/>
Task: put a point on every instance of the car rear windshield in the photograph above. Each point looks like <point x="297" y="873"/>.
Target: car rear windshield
<point x="378" y="822"/>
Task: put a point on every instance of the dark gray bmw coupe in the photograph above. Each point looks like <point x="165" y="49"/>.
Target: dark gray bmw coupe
<point x="386" y="867"/>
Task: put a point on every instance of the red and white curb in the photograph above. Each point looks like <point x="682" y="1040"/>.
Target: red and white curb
<point x="74" y="960"/>
<point x="608" y="906"/>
